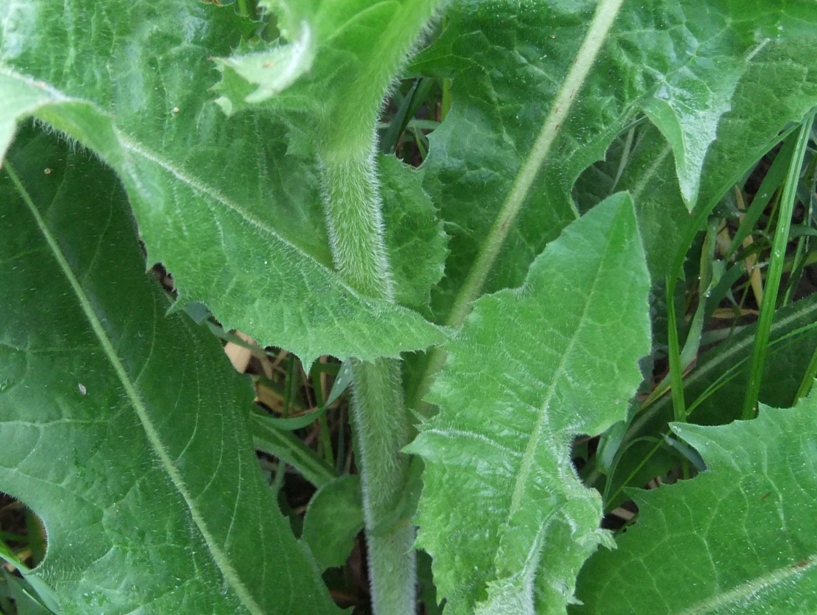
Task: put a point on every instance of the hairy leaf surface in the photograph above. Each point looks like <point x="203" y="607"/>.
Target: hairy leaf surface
<point x="125" y="429"/>
<point x="679" y="62"/>
<point x="218" y="201"/>
<point x="557" y="357"/>
<point x="758" y="112"/>
<point x="739" y="538"/>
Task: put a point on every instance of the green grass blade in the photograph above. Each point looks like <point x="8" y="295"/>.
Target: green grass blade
<point x="772" y="285"/>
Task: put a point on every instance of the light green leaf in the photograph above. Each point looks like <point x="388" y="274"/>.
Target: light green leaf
<point x="352" y="50"/>
<point x="415" y="237"/>
<point x="509" y="68"/>
<point x="272" y="70"/>
<point x="218" y="201"/>
<point x="125" y="429"/>
<point x="333" y="519"/>
<point x="557" y="357"/>
<point x="739" y="538"/>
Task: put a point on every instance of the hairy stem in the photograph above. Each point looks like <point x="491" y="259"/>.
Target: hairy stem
<point x="352" y="203"/>
<point x="379" y="418"/>
<point x="382" y="430"/>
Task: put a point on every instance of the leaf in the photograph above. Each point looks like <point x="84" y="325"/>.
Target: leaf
<point x="720" y="375"/>
<point x="714" y="390"/>
<point x="289" y="449"/>
<point x="647" y="174"/>
<point x="762" y="105"/>
<point x="269" y="423"/>
<point x="508" y="67"/>
<point x="32" y="586"/>
<point x="415" y="237"/>
<point x="500" y="494"/>
<point x="272" y="70"/>
<point x="739" y="538"/>
<point x="222" y="190"/>
<point x="123" y="428"/>
<point x="337" y="52"/>
<point x="333" y="520"/>
<point x="24" y="596"/>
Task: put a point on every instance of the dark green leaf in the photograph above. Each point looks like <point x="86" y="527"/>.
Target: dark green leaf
<point x="123" y="428"/>
<point x="333" y="519"/>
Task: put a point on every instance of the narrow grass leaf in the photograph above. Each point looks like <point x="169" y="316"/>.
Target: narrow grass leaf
<point x="290" y="449"/>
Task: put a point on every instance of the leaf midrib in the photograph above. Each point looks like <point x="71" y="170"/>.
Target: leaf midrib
<point x="745" y="590"/>
<point x="533" y="440"/>
<point x="219" y="556"/>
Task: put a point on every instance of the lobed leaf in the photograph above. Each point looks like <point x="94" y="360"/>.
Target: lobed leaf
<point x="763" y="103"/>
<point x="714" y="392"/>
<point x="683" y="64"/>
<point x="224" y="204"/>
<point x="739" y="538"/>
<point x="125" y="429"/>
<point x="530" y="369"/>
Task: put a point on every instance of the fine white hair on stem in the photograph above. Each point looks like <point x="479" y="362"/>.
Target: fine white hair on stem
<point x="352" y="202"/>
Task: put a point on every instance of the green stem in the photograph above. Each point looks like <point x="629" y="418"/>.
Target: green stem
<point x="379" y="419"/>
<point x="352" y="205"/>
<point x="381" y="425"/>
<point x="781" y="238"/>
<point x="382" y="429"/>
